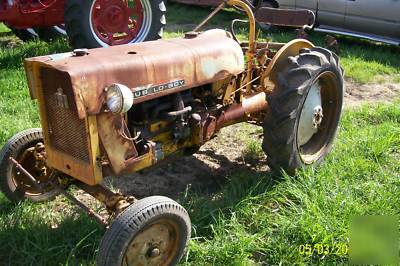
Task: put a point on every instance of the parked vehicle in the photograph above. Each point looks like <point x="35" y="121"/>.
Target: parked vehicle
<point x="109" y="112"/>
<point x="88" y="23"/>
<point x="369" y="19"/>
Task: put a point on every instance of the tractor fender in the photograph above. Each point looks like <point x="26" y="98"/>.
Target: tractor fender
<point x="280" y="60"/>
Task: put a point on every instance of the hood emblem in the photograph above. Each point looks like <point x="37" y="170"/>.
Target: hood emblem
<point x="61" y="99"/>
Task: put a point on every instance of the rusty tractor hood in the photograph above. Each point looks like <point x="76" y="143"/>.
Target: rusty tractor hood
<point x="186" y="62"/>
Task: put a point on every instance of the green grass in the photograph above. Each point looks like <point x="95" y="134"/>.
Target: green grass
<point x="262" y="217"/>
<point x="255" y="216"/>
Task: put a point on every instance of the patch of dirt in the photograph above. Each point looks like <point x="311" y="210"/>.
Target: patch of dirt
<point x="357" y="94"/>
<point x="204" y="171"/>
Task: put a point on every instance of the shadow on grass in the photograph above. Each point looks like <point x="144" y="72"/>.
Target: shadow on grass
<point x="6" y="34"/>
<point x="370" y="51"/>
<point x="206" y="184"/>
<point x="73" y="242"/>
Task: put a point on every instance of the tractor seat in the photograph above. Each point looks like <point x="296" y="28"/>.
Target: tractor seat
<point x="301" y="18"/>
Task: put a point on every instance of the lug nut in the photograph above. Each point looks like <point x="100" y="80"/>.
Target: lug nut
<point x="154" y="252"/>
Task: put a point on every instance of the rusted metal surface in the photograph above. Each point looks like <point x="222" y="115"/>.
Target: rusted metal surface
<point x="210" y="124"/>
<point x="252" y="37"/>
<point x="292" y="48"/>
<point x="71" y="143"/>
<point x="40" y="187"/>
<point x="85" y="208"/>
<point x="156" y="244"/>
<point x="118" y="148"/>
<point x="285" y="17"/>
<point x="240" y="112"/>
<point x="32" y="180"/>
<point x="67" y="133"/>
<point x="211" y="56"/>
<point x="332" y="44"/>
<point x="114" y="202"/>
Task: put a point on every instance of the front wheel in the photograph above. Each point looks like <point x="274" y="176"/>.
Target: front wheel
<point x="102" y="23"/>
<point x="27" y="148"/>
<point x="152" y="231"/>
<point x="304" y="110"/>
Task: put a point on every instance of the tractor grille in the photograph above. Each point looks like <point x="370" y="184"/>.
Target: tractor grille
<point x="66" y="131"/>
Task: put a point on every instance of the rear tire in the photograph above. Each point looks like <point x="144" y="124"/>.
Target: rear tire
<point x="153" y="231"/>
<point x="84" y="33"/>
<point x="25" y="35"/>
<point x="298" y="134"/>
<point x="49" y="34"/>
<point x="10" y="181"/>
<point x="46" y="34"/>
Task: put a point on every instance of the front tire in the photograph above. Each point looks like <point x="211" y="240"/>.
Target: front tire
<point x="101" y="23"/>
<point x="152" y="231"/>
<point x="15" y="186"/>
<point x="304" y="110"/>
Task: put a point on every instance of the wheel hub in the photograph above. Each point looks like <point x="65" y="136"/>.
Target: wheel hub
<point x="113" y="18"/>
<point x="116" y="22"/>
<point x="33" y="160"/>
<point x="311" y="115"/>
<point x="317" y="117"/>
<point x="153" y="252"/>
<point x="155" y="245"/>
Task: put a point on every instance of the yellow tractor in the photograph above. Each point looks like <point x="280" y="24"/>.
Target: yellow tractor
<point x="108" y="112"/>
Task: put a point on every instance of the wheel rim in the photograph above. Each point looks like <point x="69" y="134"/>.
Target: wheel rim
<point x="115" y="22"/>
<point x="319" y="117"/>
<point x="156" y="244"/>
<point x="28" y="161"/>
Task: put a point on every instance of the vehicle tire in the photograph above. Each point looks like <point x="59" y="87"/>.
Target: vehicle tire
<point x="49" y="34"/>
<point x="13" y="183"/>
<point x="152" y="231"/>
<point x="304" y="110"/>
<point x="25" y="35"/>
<point x="89" y="25"/>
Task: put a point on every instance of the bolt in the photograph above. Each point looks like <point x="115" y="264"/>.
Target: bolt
<point x="81" y="52"/>
<point x="154" y="252"/>
<point x="318" y="115"/>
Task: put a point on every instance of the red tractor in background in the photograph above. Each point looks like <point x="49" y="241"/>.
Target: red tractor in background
<point x="88" y="23"/>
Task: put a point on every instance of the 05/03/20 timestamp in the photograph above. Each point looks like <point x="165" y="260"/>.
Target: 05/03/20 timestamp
<point x="340" y="249"/>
